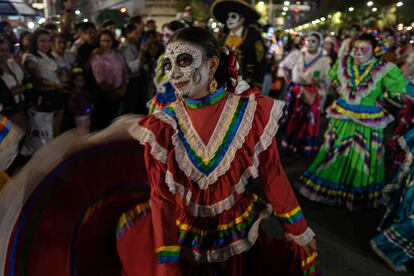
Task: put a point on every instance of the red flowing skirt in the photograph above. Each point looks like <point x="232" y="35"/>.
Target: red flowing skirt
<point x="268" y="256"/>
<point x="301" y="121"/>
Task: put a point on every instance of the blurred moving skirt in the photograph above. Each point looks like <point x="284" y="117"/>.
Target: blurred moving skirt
<point x="58" y="215"/>
<point x="395" y="243"/>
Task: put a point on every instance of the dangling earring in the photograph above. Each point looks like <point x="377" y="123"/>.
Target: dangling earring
<point x="179" y="97"/>
<point x="213" y="86"/>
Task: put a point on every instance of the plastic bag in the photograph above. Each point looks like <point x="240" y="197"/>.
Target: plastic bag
<point x="41" y="131"/>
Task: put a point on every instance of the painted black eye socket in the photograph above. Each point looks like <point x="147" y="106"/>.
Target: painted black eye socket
<point x="233" y="16"/>
<point x="166" y="63"/>
<point x="184" y="60"/>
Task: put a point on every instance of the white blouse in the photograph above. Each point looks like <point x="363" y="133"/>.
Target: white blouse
<point x="304" y="66"/>
<point x="47" y="66"/>
<point x="66" y="61"/>
<point x="14" y="79"/>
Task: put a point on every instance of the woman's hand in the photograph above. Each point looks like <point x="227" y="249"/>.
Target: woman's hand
<point x="310" y="247"/>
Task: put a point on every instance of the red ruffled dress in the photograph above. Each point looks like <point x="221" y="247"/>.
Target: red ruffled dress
<point x="201" y="219"/>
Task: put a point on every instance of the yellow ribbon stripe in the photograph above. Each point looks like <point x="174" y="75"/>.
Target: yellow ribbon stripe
<point x="358" y="115"/>
<point x="288" y="215"/>
<point x="221" y="227"/>
<point x="309" y="259"/>
<point x="168" y="248"/>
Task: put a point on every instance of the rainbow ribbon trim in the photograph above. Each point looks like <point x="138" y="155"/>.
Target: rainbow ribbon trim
<point x="311" y="265"/>
<point x="206" y="101"/>
<point x="203" y="240"/>
<point x="333" y="192"/>
<point x="167" y="254"/>
<point x="206" y="166"/>
<point x="348" y="63"/>
<point x="5" y="126"/>
<point x="364" y="113"/>
<point x="397" y="239"/>
<point x="291" y="217"/>
<point x="127" y="219"/>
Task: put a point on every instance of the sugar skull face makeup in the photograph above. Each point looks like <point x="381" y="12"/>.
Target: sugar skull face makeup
<point x="234" y="20"/>
<point x="183" y="63"/>
<point x="312" y="43"/>
<point x="362" y="51"/>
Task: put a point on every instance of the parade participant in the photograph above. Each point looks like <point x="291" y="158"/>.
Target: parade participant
<point x="306" y="94"/>
<point x="349" y="169"/>
<point x="200" y="153"/>
<point x="394" y="243"/>
<point x="244" y="41"/>
<point x="165" y="91"/>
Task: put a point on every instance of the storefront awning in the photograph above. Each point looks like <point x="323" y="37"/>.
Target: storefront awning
<point x="16" y="7"/>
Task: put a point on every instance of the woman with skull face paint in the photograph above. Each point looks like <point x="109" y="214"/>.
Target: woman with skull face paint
<point x="306" y="93"/>
<point x="200" y="152"/>
<point x="349" y="169"/>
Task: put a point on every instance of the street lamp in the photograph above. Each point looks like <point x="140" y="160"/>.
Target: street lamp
<point x="260" y="4"/>
<point x="77" y="12"/>
<point x="370" y="3"/>
<point x="286" y="3"/>
<point x="285" y="9"/>
<point x="351" y="9"/>
<point x="399" y="4"/>
<point x="374" y="9"/>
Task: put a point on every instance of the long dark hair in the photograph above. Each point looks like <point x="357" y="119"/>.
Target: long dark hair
<point x="111" y="35"/>
<point x="33" y="43"/>
<point x="370" y="38"/>
<point x="22" y="36"/>
<point x="205" y="39"/>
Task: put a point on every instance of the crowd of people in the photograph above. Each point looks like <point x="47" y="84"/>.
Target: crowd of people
<point x="54" y="81"/>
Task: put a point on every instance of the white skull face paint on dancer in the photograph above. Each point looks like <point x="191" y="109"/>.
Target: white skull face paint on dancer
<point x="185" y="70"/>
<point x="312" y="43"/>
<point x="362" y="51"/>
<point x="234" y="21"/>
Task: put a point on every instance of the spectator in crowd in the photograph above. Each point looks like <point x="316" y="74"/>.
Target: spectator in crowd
<point x="135" y="98"/>
<point x="110" y="25"/>
<point x="24" y="45"/>
<point x="110" y="73"/>
<point x="137" y="20"/>
<point x="79" y="103"/>
<point x="87" y="45"/>
<point x="11" y="87"/>
<point x="348" y="44"/>
<point x="151" y="25"/>
<point x="64" y="59"/>
<point x="78" y="41"/>
<point x="152" y="28"/>
<point x="151" y="55"/>
<point x="51" y="27"/>
<point x="329" y="47"/>
<point x="42" y="67"/>
<point x="391" y="54"/>
<point x="6" y="31"/>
